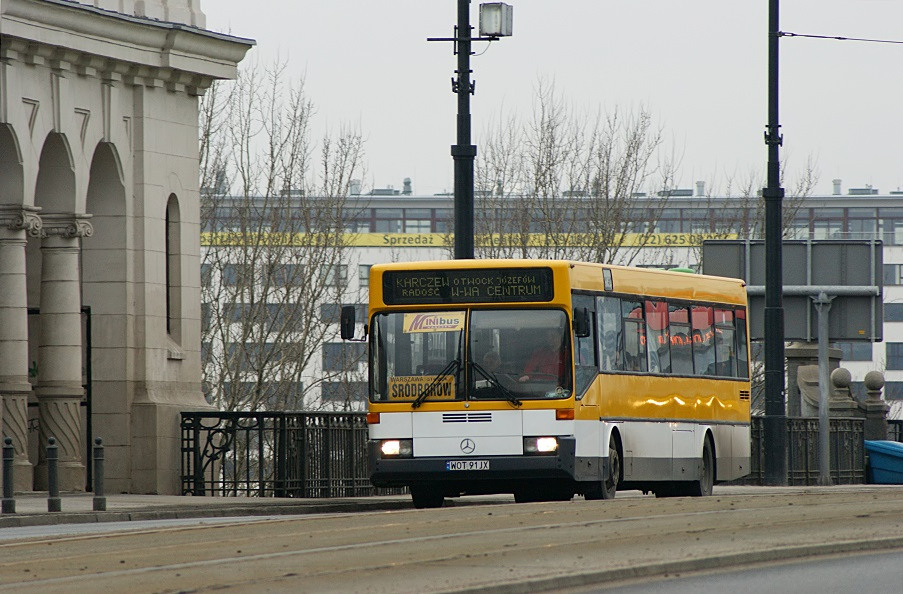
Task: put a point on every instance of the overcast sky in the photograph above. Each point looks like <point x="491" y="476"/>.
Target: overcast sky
<point x="699" y="66"/>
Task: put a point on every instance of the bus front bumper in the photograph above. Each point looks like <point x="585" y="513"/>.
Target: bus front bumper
<point x="453" y="471"/>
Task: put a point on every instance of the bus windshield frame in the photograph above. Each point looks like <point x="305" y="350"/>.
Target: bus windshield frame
<point x="486" y="354"/>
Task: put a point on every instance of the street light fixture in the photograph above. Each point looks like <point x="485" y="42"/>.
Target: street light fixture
<point x="495" y="21"/>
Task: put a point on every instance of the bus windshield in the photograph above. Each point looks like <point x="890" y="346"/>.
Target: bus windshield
<point x="508" y="355"/>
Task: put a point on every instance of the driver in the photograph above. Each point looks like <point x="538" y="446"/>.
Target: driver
<point x="547" y="359"/>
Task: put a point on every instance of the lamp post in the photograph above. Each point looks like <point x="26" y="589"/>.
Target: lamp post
<point x="495" y="22"/>
<point x="775" y="428"/>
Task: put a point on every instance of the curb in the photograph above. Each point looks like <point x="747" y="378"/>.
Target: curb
<point x="734" y="560"/>
<point x="188" y="512"/>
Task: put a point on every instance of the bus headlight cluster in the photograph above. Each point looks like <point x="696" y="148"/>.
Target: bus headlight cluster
<point x="540" y="445"/>
<point x="397" y="448"/>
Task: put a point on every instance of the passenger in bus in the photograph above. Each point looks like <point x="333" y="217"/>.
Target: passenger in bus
<point x="492" y="361"/>
<point x="547" y="360"/>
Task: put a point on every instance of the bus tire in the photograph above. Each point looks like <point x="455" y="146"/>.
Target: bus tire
<point x="426" y="497"/>
<point x="607" y="488"/>
<point x="703" y="486"/>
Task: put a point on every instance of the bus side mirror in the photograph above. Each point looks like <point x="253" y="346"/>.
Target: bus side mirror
<point x="581" y="322"/>
<point x="347" y="322"/>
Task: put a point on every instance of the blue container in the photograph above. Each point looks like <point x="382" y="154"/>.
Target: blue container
<point x="885" y="462"/>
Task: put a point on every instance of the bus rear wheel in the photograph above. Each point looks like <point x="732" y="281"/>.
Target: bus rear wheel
<point x="426" y="497"/>
<point x="702" y="487"/>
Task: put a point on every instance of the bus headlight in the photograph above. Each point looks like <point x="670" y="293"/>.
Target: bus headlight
<point x="540" y="445"/>
<point x="397" y="448"/>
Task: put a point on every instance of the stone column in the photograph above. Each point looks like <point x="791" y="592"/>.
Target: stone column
<point x="875" y="407"/>
<point x="16" y="223"/>
<point x="59" y="388"/>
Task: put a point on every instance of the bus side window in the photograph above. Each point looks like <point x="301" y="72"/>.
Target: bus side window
<point x="725" y="349"/>
<point x="703" y="339"/>
<point x="681" y="340"/>
<point x="585" y="356"/>
<point x="634" y="336"/>
<point x="608" y="316"/>
<point x="742" y="353"/>
<point x="658" y="341"/>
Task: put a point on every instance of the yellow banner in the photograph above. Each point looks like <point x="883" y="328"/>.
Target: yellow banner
<point x="438" y="240"/>
<point x="409" y="387"/>
<point x="433" y="322"/>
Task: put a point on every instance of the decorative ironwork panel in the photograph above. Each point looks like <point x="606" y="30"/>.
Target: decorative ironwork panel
<point x="276" y="454"/>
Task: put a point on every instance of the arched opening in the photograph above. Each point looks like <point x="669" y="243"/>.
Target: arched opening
<point x="173" y="270"/>
<point x="11" y="185"/>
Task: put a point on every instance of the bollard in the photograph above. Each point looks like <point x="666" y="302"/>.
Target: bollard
<point x="53" y="483"/>
<point x="9" y="455"/>
<point x="100" y="501"/>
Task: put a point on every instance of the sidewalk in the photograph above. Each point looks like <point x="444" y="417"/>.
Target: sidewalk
<point x="77" y="508"/>
<point x="31" y="508"/>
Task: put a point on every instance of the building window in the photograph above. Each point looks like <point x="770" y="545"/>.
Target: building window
<point x="331" y="312"/>
<point x="893" y="391"/>
<point x="334" y="275"/>
<point x="892" y="274"/>
<point x="340" y="392"/>
<point x="894" y="354"/>
<point x="286" y="275"/>
<point x="343" y="356"/>
<point x="236" y="275"/>
<point x="856" y="351"/>
<point x="363" y="275"/>
<point x="173" y="270"/>
<point x="893" y="312"/>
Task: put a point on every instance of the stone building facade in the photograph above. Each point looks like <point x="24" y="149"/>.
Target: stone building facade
<point x="99" y="212"/>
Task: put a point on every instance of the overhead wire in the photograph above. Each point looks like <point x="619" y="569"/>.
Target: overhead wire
<point x="839" y="38"/>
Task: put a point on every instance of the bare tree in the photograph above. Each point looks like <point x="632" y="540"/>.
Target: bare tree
<point x="274" y="262"/>
<point x="567" y="185"/>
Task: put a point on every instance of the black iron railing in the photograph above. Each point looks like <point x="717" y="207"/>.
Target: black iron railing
<point x="895" y="430"/>
<point x="325" y="454"/>
<point x="275" y="454"/>
<point x="847" y="452"/>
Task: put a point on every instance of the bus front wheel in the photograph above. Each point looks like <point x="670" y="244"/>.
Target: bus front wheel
<point x="607" y="488"/>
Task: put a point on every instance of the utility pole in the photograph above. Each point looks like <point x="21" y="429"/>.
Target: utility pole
<point x="775" y="429"/>
<point x="463" y="152"/>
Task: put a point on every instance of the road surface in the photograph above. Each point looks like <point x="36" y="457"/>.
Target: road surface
<point x="503" y="547"/>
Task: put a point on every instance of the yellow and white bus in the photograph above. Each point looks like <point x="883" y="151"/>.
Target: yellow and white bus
<point x="547" y="378"/>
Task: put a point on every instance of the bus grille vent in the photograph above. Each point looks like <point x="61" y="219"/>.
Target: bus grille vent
<point x="744" y="394"/>
<point x="475" y="417"/>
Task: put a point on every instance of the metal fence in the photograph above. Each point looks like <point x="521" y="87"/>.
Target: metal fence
<point x="847" y="452"/>
<point x="325" y="454"/>
<point x="275" y="454"/>
<point x="895" y="430"/>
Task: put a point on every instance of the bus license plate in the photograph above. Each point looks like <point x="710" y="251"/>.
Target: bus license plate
<point x="467" y="465"/>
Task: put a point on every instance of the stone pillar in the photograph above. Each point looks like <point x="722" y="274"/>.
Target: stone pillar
<point x="16" y="223"/>
<point x="59" y="388"/>
<point x="801" y="354"/>
<point x="875" y="407"/>
<point x="842" y="404"/>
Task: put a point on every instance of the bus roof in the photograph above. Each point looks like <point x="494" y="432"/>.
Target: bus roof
<point x="589" y="277"/>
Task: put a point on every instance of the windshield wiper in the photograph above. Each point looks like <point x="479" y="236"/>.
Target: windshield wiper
<point x="493" y="381"/>
<point x="453" y="367"/>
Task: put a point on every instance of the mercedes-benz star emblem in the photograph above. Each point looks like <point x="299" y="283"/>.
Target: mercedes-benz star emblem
<point x="468" y="446"/>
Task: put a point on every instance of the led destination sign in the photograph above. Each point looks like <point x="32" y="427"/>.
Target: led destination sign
<point x="491" y="285"/>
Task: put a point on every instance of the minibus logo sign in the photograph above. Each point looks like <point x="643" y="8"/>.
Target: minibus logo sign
<point x="468" y="446"/>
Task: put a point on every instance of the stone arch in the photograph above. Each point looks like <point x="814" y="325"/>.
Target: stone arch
<point x="54" y="192"/>
<point x="108" y="289"/>
<point x="55" y="186"/>
<point x="12" y="187"/>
